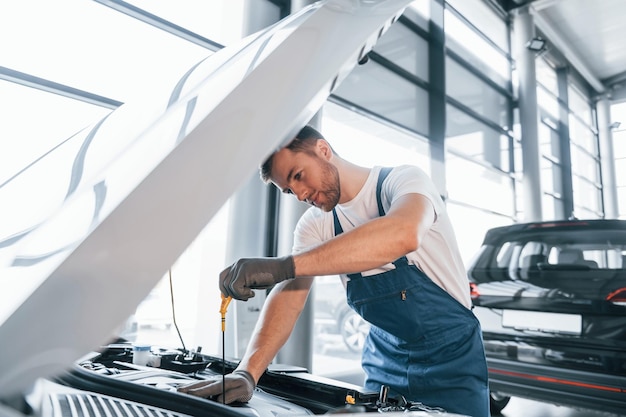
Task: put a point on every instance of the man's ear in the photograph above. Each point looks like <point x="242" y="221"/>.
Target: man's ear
<point x="324" y="149"/>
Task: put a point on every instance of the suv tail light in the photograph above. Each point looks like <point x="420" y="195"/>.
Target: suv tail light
<point x="474" y="293"/>
<point x="617" y="296"/>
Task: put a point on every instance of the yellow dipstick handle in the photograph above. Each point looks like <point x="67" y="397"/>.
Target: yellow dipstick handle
<point x="223" y="308"/>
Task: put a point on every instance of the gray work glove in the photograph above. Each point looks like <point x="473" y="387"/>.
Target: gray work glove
<point x="239" y="387"/>
<point x="239" y="279"/>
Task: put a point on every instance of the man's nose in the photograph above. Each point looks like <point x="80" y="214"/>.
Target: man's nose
<point x="301" y="193"/>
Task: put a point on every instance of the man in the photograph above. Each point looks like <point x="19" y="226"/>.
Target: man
<point x="388" y="234"/>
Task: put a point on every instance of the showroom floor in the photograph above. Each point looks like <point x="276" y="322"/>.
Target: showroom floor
<point x="519" y="407"/>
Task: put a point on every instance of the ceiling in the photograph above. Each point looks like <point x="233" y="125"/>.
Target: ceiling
<point x="589" y="33"/>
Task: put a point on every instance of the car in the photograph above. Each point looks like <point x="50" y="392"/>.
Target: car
<point x="551" y="300"/>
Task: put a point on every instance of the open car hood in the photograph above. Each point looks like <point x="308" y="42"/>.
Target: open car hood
<point x="115" y="227"/>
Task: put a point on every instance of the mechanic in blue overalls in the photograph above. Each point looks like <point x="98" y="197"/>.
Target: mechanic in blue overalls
<point x="387" y="233"/>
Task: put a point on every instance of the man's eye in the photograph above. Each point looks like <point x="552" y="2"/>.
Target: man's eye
<point x="297" y="176"/>
<point x="288" y="191"/>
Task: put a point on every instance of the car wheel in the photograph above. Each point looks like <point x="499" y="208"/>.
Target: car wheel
<point x="354" y="330"/>
<point x="497" y="402"/>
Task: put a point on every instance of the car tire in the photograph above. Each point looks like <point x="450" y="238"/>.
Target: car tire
<point x="353" y="331"/>
<point x="497" y="402"/>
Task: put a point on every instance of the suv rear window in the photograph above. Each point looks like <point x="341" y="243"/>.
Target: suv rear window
<point x="556" y="257"/>
<point x="520" y="255"/>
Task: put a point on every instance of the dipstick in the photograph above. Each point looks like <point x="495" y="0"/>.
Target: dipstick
<point x="223" y="308"/>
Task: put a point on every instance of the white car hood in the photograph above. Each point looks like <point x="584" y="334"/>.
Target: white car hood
<point x="71" y="277"/>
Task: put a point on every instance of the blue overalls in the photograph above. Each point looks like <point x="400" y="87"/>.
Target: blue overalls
<point x="423" y="343"/>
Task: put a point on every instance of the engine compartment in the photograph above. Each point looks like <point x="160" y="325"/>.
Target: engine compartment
<point x="281" y="390"/>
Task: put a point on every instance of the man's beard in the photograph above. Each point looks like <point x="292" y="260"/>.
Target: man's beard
<point x="331" y="187"/>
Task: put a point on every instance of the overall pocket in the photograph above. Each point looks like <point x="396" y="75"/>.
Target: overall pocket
<point x="391" y="303"/>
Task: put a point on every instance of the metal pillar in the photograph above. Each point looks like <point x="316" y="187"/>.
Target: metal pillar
<point x="529" y="116"/>
<point x="607" y="160"/>
<point x="565" y="153"/>
<point x="437" y="96"/>
<point x="298" y="350"/>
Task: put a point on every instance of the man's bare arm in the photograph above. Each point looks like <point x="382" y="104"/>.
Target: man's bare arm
<point x="278" y="317"/>
<point x="373" y="244"/>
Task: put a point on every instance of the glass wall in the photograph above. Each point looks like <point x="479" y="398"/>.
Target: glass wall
<point x="393" y="84"/>
<point x="478" y="139"/>
<point x="382" y="92"/>
<point x="586" y="182"/>
<point x="30" y="128"/>
<point x="551" y="170"/>
<point x="551" y="164"/>
<point x="567" y="115"/>
<point x="104" y="52"/>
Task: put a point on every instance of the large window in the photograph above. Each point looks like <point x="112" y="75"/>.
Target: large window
<point x="218" y="20"/>
<point x="469" y="137"/>
<point x="476" y="94"/>
<point x="35" y="122"/>
<point x="568" y="139"/>
<point x="92" y="47"/>
<point x="546" y="77"/>
<point x="393" y="84"/>
<point x="550" y="133"/>
<point x="478" y="142"/>
<point x="551" y="171"/>
<point x="586" y="181"/>
<point x="404" y="48"/>
<point x="380" y="91"/>
<point x="475" y="32"/>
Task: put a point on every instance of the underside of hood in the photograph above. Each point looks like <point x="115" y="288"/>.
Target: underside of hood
<point x="175" y="160"/>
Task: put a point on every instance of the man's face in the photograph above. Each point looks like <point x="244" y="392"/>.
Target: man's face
<point x="311" y="178"/>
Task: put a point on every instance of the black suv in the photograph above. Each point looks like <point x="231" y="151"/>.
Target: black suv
<point x="551" y="299"/>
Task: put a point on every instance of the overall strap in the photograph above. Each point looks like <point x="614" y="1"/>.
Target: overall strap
<point x="381" y="212"/>
<point x="381" y="177"/>
<point x="379" y="185"/>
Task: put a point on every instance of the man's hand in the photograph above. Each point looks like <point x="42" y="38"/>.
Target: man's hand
<point x="239" y="387"/>
<point x="239" y="279"/>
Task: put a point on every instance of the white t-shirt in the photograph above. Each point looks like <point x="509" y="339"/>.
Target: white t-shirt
<point x="438" y="255"/>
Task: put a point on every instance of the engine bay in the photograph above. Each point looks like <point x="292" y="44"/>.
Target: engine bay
<point x="281" y="390"/>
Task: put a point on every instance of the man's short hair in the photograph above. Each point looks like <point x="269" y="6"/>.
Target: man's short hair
<point x="303" y="142"/>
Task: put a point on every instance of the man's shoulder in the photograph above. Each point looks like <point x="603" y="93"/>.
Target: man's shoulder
<point x="312" y="229"/>
<point x="313" y="215"/>
<point x="408" y="170"/>
<point x="403" y="175"/>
